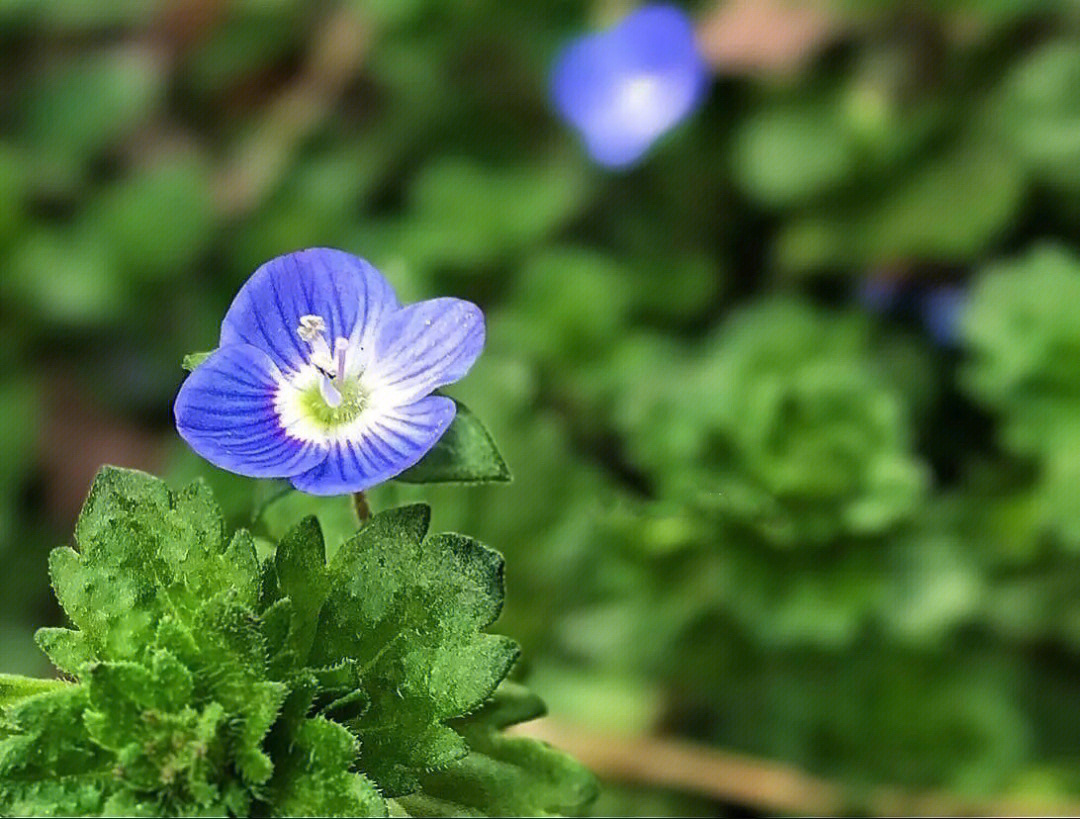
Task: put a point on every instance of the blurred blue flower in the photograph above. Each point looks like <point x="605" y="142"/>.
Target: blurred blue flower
<point x="940" y="309"/>
<point x="881" y="294"/>
<point x="322" y="377"/>
<point x="625" y="87"/>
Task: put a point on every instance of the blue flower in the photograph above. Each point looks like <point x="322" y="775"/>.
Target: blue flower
<point x="881" y="294"/>
<point x="625" y="87"/>
<point x="940" y="310"/>
<point x="324" y="378"/>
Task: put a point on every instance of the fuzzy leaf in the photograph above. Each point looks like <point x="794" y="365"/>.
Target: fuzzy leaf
<point x="211" y="684"/>
<point x="410" y="610"/>
<point x="14" y="688"/>
<point x="504" y="775"/>
<point x="69" y="650"/>
<point x="316" y="780"/>
<point x="300" y="573"/>
<point x="170" y="654"/>
<point x="48" y="766"/>
<point x="466" y="453"/>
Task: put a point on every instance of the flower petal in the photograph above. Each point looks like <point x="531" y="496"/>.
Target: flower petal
<point x="424" y="346"/>
<point x="623" y="88"/>
<point x="226" y="413"/>
<point x="346" y="291"/>
<point x="387" y="445"/>
<point x="660" y="37"/>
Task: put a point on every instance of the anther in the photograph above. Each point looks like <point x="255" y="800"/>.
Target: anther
<point x="311" y="328"/>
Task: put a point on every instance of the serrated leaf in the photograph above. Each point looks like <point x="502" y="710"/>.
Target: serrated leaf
<point x="242" y="564"/>
<point x="49" y="765"/>
<point x="182" y="701"/>
<point x="67" y="649"/>
<point x="409" y="609"/>
<point x="193" y="696"/>
<point x="504" y="775"/>
<point x="315" y="779"/>
<point x="264" y="704"/>
<point x="466" y="453"/>
<point x="300" y="573"/>
<point x="14" y="688"/>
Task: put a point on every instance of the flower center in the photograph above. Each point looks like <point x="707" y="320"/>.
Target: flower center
<point x="639" y="98"/>
<point x="351" y="400"/>
<point x="337" y="396"/>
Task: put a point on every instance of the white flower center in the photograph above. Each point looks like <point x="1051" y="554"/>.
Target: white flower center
<point x="639" y="97"/>
<point x="326" y="398"/>
<point x="331" y="364"/>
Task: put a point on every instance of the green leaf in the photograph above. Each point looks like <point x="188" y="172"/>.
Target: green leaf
<point x="409" y="609"/>
<point x="193" y="360"/>
<point x="315" y="779"/>
<point x="14" y="688"/>
<point x="64" y="278"/>
<point x="466" y="453"/>
<point x="54" y="118"/>
<point x="300" y="574"/>
<point x="69" y="650"/>
<point x="155" y="222"/>
<point x="468" y="213"/>
<point x="1041" y="116"/>
<point x="504" y="775"/>
<point x="790" y="153"/>
<point x="950" y="210"/>
<point x="48" y="766"/>
<point x="798" y="435"/>
<point x="168" y="649"/>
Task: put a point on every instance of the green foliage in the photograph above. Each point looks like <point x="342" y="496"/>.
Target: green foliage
<point x="157" y="220"/>
<point x="66" y="132"/>
<point x="945" y="212"/>
<point x="193" y="360"/>
<point x="786" y="154"/>
<point x="1023" y="338"/>
<point x="465" y="454"/>
<point x="210" y="682"/>
<point x="797" y="432"/>
<point x="886" y="601"/>
<point x="503" y="775"/>
<point x="1040" y="117"/>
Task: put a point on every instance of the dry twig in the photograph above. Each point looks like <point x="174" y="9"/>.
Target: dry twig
<point x="760" y="784"/>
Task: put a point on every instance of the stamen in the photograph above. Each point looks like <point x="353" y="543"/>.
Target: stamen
<point x="330" y="364"/>
<point x="322" y="359"/>
<point x="311" y="328"/>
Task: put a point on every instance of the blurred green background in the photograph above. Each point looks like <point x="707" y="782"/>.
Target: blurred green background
<point x="761" y="504"/>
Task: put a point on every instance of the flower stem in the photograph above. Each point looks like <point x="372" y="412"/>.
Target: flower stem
<point x="360" y="507"/>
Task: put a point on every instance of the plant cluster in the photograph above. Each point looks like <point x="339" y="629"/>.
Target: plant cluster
<point x="204" y="679"/>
